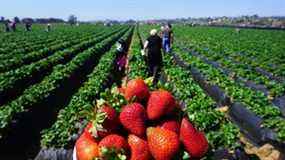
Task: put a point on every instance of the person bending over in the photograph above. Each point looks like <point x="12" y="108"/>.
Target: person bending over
<point x="153" y="46"/>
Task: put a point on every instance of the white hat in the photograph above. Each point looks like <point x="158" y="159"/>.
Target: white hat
<point x="153" y="32"/>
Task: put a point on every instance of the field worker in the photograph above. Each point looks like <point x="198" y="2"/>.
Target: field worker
<point x="161" y="31"/>
<point x="28" y="26"/>
<point x="237" y="30"/>
<point x="13" y="26"/>
<point x="171" y="37"/>
<point x="121" y="60"/>
<point x="169" y="25"/>
<point x="166" y="38"/>
<point x="121" y="54"/>
<point x="7" y="27"/>
<point x="153" y="45"/>
<point x="48" y="28"/>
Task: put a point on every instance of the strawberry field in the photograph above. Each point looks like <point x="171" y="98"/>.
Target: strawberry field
<point x="220" y="95"/>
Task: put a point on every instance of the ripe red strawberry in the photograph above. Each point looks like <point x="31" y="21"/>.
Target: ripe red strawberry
<point x="139" y="148"/>
<point x="86" y="147"/>
<point x="136" y="88"/>
<point x="114" y="141"/>
<point x="159" y="104"/>
<point x="88" y="130"/>
<point x="194" y="141"/>
<point x="171" y="125"/>
<point x="163" y="144"/>
<point x="133" y="118"/>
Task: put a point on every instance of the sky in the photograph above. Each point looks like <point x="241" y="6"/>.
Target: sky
<point x="139" y="9"/>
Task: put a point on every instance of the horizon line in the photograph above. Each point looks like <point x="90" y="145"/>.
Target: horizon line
<point x="142" y="19"/>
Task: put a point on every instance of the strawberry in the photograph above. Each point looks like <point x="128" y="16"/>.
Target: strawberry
<point x="110" y="122"/>
<point x="133" y="118"/>
<point x="194" y="141"/>
<point x="86" y="147"/>
<point x="136" y="89"/>
<point x="104" y="123"/>
<point x="159" y="104"/>
<point x="171" y="125"/>
<point x="88" y="130"/>
<point x="139" y="148"/>
<point x="163" y="144"/>
<point x="114" y="141"/>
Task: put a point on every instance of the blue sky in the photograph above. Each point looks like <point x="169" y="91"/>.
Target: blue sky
<point x="139" y="9"/>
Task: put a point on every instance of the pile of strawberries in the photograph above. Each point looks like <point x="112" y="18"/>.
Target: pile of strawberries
<point x="148" y="127"/>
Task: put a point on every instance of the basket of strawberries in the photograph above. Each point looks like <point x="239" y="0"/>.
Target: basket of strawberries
<point x="136" y="123"/>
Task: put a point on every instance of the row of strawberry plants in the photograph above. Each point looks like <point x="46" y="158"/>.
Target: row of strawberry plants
<point x="274" y="94"/>
<point x="10" y="35"/>
<point x="275" y="70"/>
<point x="136" y="63"/>
<point x="7" y="51"/>
<point x="239" y="69"/>
<point x="254" y="101"/>
<point x="257" y="48"/>
<point x="274" y="88"/>
<point x="19" y="40"/>
<point x="45" y="88"/>
<point x="22" y="29"/>
<point x="35" y="43"/>
<point x="14" y="42"/>
<point x="263" y="46"/>
<point x="20" y="60"/>
<point x="200" y="108"/>
<point x="253" y="133"/>
<point x="12" y="81"/>
<point x="70" y="117"/>
<point x="52" y="40"/>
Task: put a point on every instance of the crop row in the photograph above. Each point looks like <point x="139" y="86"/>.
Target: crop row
<point x="254" y="101"/>
<point x="51" y="83"/>
<point x="70" y="117"/>
<point x="14" y="41"/>
<point x="20" y="60"/>
<point x="257" y="48"/>
<point x="273" y="88"/>
<point x="14" y="80"/>
<point x="32" y="47"/>
<point x="200" y="108"/>
<point x="275" y="94"/>
<point x="136" y="62"/>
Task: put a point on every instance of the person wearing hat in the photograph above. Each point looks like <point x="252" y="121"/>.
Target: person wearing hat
<point x="48" y="27"/>
<point x="153" y="45"/>
<point x="121" y="54"/>
<point x="121" y="60"/>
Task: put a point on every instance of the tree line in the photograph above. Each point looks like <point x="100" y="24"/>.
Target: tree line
<point x="72" y="19"/>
